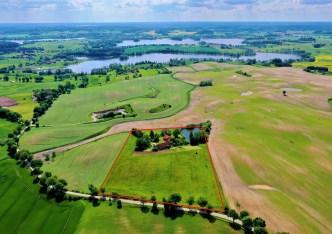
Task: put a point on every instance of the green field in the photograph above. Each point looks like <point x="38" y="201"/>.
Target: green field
<point x="78" y="107"/>
<point x="187" y="172"/>
<point x="24" y="210"/>
<point x="87" y="164"/>
<point x="130" y="219"/>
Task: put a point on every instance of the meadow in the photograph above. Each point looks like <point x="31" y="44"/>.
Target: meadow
<point x="187" y="172"/>
<point x="24" y="210"/>
<point x="131" y="219"/>
<point x="87" y="164"/>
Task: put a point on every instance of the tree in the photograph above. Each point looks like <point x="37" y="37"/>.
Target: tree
<point x="247" y="222"/>
<point x="210" y="207"/>
<point x="260" y="230"/>
<point x="259" y="222"/>
<point x="244" y="213"/>
<point x="48" y="174"/>
<point x="119" y="203"/>
<point x="175" y="198"/>
<point x="191" y="200"/>
<point x="108" y="78"/>
<point x="152" y="135"/>
<point x="50" y="181"/>
<point x="233" y="214"/>
<point x="153" y="198"/>
<point x="202" y="201"/>
<point x="143" y="143"/>
<point x="176" y="133"/>
<point x="36" y="163"/>
<point x="93" y="189"/>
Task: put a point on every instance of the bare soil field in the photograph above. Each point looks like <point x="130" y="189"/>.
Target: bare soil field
<point x="7" y="102"/>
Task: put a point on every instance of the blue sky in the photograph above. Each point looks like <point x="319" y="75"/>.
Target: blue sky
<point x="29" y="11"/>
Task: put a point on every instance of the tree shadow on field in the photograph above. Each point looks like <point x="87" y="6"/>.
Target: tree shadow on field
<point x="173" y="212"/>
<point x="208" y="217"/>
<point x="235" y="226"/>
<point x="94" y="201"/>
<point x="145" y="209"/>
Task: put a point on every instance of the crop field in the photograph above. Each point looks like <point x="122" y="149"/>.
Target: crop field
<point x="87" y="164"/>
<point x="131" y="219"/>
<point x="24" y="210"/>
<point x="187" y="172"/>
<point x="78" y="107"/>
<point x="281" y="142"/>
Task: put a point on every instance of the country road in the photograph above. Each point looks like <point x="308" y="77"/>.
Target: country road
<point x="214" y="214"/>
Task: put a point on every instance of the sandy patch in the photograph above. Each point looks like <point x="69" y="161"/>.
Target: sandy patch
<point x="261" y="187"/>
<point x="247" y="93"/>
<point x="291" y="89"/>
<point x="7" y="102"/>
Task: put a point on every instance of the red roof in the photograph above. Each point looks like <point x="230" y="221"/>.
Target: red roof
<point x="167" y="138"/>
<point x="164" y="145"/>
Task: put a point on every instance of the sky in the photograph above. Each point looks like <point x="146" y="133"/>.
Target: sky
<point x="47" y="11"/>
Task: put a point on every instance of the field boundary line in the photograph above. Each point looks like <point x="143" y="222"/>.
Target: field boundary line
<point x="71" y="212"/>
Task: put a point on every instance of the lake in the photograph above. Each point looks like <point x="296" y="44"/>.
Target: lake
<point x="167" y="41"/>
<point x="87" y="66"/>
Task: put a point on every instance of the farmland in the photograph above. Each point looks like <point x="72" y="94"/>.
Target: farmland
<point x="24" y="210"/>
<point x="87" y="164"/>
<point x="187" y="172"/>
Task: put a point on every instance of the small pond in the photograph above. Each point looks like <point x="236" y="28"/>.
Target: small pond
<point x="186" y="132"/>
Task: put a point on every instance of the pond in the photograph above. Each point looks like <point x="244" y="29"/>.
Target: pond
<point x="186" y="132"/>
<point x="87" y="66"/>
<point x="167" y="41"/>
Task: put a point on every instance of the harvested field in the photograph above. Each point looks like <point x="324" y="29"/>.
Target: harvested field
<point x="7" y="102"/>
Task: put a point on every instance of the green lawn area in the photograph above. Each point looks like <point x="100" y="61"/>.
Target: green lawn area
<point x="187" y="172"/>
<point x="130" y="219"/>
<point x="24" y="210"/>
<point x="87" y="164"/>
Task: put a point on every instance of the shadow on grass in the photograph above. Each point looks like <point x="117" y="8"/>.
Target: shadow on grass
<point x="173" y="212"/>
<point x="235" y="226"/>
